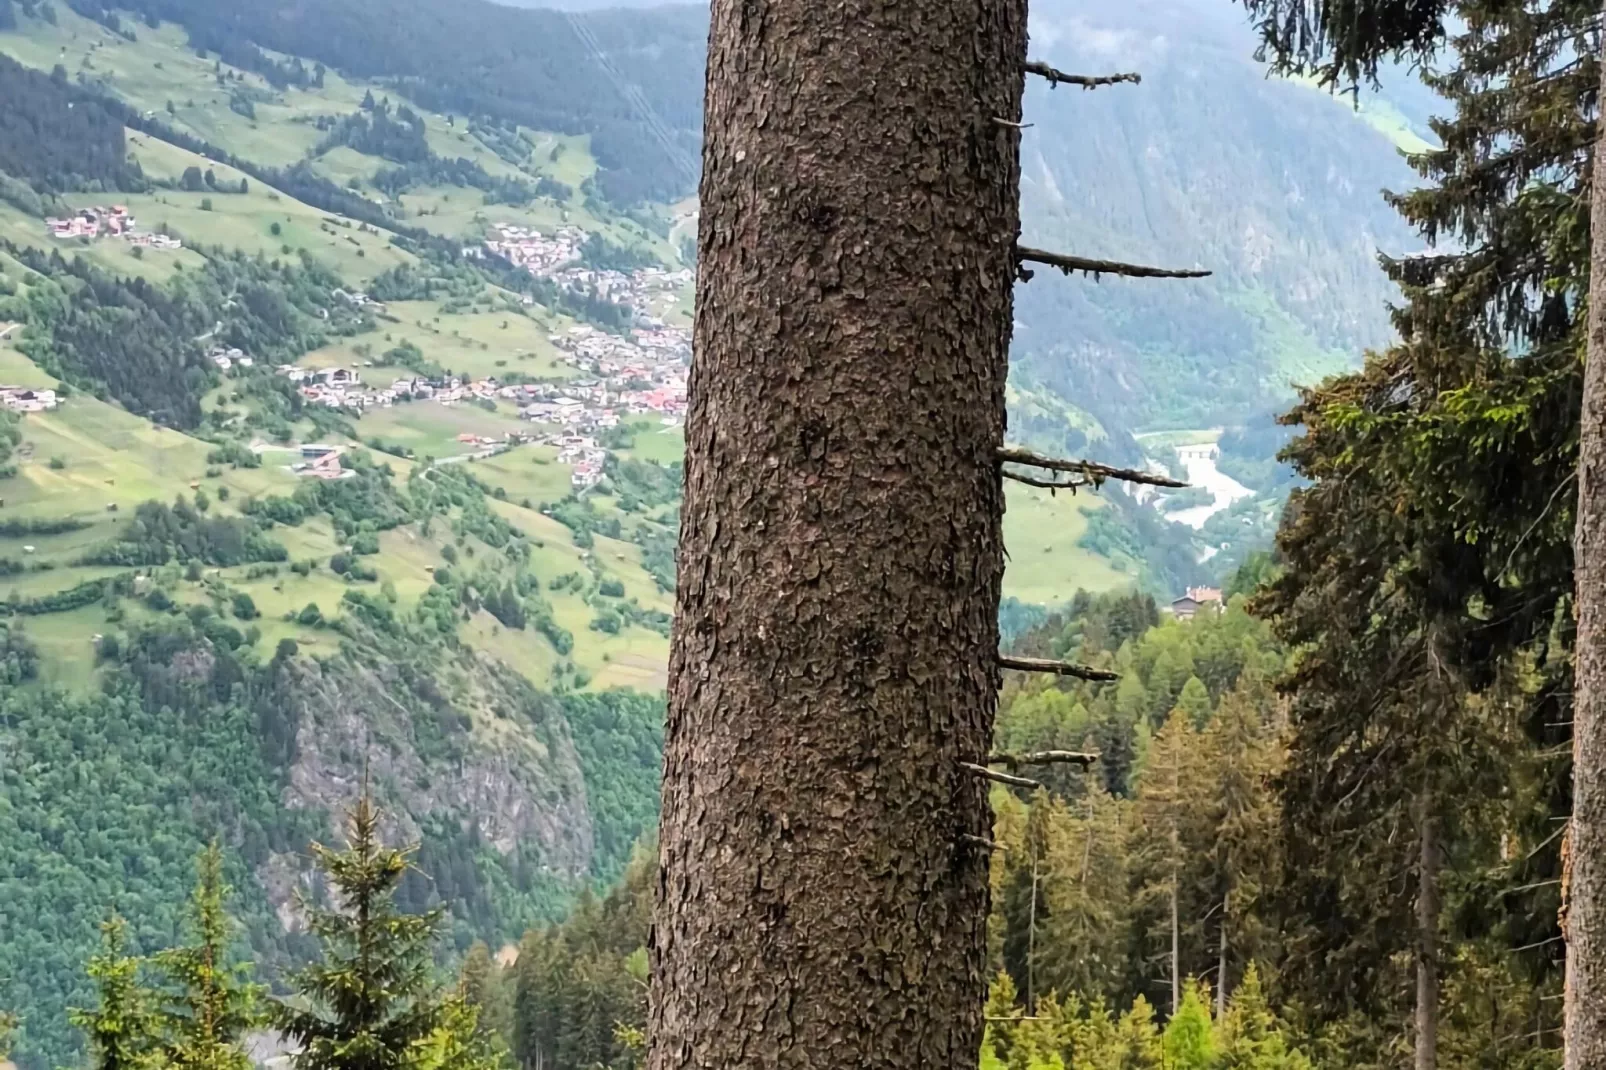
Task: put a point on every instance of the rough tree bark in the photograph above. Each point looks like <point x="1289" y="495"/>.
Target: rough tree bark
<point x="835" y="644"/>
<point x="1429" y="863"/>
<point x="1584" y="921"/>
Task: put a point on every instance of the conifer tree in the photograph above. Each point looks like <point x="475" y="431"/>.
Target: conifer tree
<point x="1451" y="458"/>
<point x="1136" y="1044"/>
<point x="1172" y="829"/>
<point x="1087" y="898"/>
<point x="123" y="1029"/>
<point x="1189" y="1040"/>
<point x="215" y="1005"/>
<point x="1433" y="552"/>
<point x="485" y="986"/>
<point x="1251" y="1038"/>
<point x="459" y="1041"/>
<point x="537" y="1000"/>
<point x="370" y="1003"/>
<point x="1244" y="760"/>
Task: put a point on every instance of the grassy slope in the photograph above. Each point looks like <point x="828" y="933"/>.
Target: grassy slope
<point x="477" y="344"/>
<point x="1045" y="565"/>
<point x="109" y="457"/>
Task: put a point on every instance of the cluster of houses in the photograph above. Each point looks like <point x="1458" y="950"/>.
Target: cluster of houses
<point x="343" y="388"/>
<point x="1197" y="600"/>
<point x="584" y="456"/>
<point x="226" y="357"/>
<point x="643" y="373"/>
<point x="556" y="256"/>
<point x="108" y="222"/>
<point x="27" y="399"/>
<point x="539" y="254"/>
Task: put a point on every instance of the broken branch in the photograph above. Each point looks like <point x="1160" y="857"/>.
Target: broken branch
<point x="1000" y="778"/>
<point x="1058" y="668"/>
<point x="1047" y="484"/>
<point x="982" y="841"/>
<point x="1043" y="757"/>
<point x="1068" y="264"/>
<point x="1098" y="473"/>
<point x="1012" y="125"/>
<point x="1055" y="77"/>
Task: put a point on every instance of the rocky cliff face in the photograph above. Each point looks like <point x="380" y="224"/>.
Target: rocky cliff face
<point x="464" y="749"/>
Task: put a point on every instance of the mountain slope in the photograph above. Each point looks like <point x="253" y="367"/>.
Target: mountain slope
<point x="1271" y="185"/>
<point x="631" y="80"/>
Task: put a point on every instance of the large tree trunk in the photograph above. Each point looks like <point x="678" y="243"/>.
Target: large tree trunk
<point x="1429" y="863"/>
<point x="1585" y="888"/>
<point x="834" y="651"/>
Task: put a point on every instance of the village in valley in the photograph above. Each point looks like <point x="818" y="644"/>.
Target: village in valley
<point x="616" y="377"/>
<point x="109" y="222"/>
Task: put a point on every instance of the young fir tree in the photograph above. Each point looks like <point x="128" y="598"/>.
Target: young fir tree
<point x="371" y="1002"/>
<point x="8" y="1031"/>
<point x="123" y="1029"/>
<point x="1189" y="1040"/>
<point x="214" y="1004"/>
<point x="1249" y="1035"/>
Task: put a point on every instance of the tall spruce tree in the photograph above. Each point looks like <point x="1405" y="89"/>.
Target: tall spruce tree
<point x="1086" y="898"/>
<point x="370" y="1002"/>
<point x="1444" y="472"/>
<point x="1245" y="758"/>
<point x="1170" y="846"/>
<point x="214" y="1004"/>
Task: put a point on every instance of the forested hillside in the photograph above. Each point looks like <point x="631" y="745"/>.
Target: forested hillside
<point x="630" y="80"/>
<point x="56" y="136"/>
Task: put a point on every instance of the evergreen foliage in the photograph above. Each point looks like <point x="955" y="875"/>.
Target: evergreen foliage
<point x="122" y="1027"/>
<point x="370" y="1002"/>
<point x="213" y="1005"/>
<point x="58" y="137"/>
<point x="1427" y="570"/>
